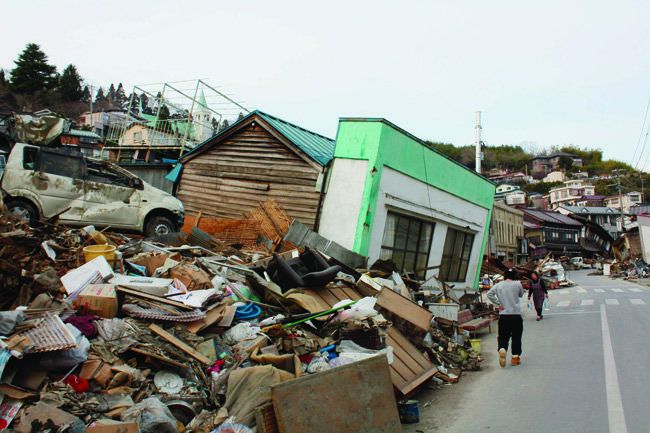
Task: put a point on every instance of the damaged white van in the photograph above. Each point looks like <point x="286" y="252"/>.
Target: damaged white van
<point x="39" y="183"/>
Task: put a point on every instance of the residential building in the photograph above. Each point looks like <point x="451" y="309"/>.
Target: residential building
<point x="86" y="142"/>
<point x="605" y="217"/>
<point x="258" y="158"/>
<point x="591" y="200"/>
<point x="628" y="200"/>
<point x="572" y="191"/>
<point x="516" y="198"/>
<point x="505" y="188"/>
<point x="103" y="120"/>
<point x="544" y="164"/>
<point x="506" y="232"/>
<point x="503" y="176"/>
<point x="551" y="232"/>
<point x="555" y="176"/>
<point x="390" y="196"/>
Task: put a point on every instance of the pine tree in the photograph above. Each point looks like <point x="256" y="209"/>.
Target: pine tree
<point x="111" y="95"/>
<point x="134" y="101"/>
<point x="144" y="101"/>
<point x="100" y="99"/>
<point x="120" y="97"/>
<point x="2" y="77"/>
<point x="70" y="85"/>
<point x="32" y="72"/>
<point x="86" y="96"/>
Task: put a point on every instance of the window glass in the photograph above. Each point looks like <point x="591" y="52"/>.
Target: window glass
<point x="456" y="254"/>
<point x="30" y="156"/>
<point x="407" y="241"/>
<point x="103" y="173"/>
<point x="61" y="164"/>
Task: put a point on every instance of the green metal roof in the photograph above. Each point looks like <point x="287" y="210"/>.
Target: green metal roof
<point x="81" y="133"/>
<point x="316" y="146"/>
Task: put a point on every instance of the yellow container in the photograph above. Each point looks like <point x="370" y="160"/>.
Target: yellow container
<point x="94" y="251"/>
<point x="476" y="345"/>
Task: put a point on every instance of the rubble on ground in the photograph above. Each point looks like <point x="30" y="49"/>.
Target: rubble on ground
<point x="188" y="333"/>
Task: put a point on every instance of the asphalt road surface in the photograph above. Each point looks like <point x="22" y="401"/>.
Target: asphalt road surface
<point x="585" y="368"/>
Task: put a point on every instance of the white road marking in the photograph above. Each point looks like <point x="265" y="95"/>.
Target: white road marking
<point x="617" y="290"/>
<point x="581" y="290"/>
<point x="611" y="301"/>
<point x="571" y="312"/>
<point x="587" y="302"/>
<point x="563" y="303"/>
<point x="635" y="290"/>
<point x="615" y="412"/>
<point x="637" y="301"/>
<point x="599" y="290"/>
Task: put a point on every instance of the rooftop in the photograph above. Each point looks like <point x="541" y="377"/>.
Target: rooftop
<point x="591" y="210"/>
<point x="550" y="217"/>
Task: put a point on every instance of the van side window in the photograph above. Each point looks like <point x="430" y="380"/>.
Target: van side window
<point x="30" y="154"/>
<point x="61" y="165"/>
<point x="103" y="174"/>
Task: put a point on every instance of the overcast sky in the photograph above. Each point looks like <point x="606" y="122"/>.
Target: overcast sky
<point x="542" y="73"/>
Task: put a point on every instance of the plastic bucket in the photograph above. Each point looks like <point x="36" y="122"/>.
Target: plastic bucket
<point x="94" y="251"/>
<point x="476" y="345"/>
<point x="409" y="411"/>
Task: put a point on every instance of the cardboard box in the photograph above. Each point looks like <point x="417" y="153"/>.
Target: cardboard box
<point x="99" y="300"/>
<point x="117" y="427"/>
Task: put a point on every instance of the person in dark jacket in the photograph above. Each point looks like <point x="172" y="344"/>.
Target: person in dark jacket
<point x="538" y="292"/>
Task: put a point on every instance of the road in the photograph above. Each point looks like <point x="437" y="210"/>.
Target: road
<point x="584" y="369"/>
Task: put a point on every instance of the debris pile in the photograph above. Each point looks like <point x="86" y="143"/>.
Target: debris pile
<point x="191" y="334"/>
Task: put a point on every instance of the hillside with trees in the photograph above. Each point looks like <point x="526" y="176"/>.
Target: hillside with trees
<point x="34" y="84"/>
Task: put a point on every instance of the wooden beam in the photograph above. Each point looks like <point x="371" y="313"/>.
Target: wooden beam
<point x="179" y="344"/>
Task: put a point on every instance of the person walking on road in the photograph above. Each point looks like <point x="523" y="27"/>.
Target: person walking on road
<point x="506" y="295"/>
<point x="538" y="292"/>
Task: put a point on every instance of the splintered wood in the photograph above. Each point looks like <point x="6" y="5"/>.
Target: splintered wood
<point x="274" y="221"/>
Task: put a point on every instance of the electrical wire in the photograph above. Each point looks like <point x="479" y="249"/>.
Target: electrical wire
<point x="645" y="118"/>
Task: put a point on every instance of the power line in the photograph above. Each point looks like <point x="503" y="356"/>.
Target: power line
<point x="645" y="117"/>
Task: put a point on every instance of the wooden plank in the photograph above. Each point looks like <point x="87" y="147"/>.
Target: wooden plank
<point x="157" y="357"/>
<point x="150" y="297"/>
<point x="405" y="308"/>
<point x="212" y="316"/>
<point x="179" y="344"/>
<point x="355" y="397"/>
<point x="410" y="368"/>
<point x="412" y="355"/>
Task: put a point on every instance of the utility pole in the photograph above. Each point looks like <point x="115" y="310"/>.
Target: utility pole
<point x="479" y="151"/>
<point x="620" y="195"/>
<point x="92" y="121"/>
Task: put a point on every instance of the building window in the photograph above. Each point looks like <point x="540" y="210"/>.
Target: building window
<point x="137" y="137"/>
<point x="407" y="242"/>
<point x="455" y="255"/>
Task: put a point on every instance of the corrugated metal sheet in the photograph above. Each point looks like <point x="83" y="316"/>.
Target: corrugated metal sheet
<point x="318" y="147"/>
<point x="591" y="210"/>
<point x="301" y="235"/>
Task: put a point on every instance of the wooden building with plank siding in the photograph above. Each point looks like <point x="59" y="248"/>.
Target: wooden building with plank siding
<point x="258" y="158"/>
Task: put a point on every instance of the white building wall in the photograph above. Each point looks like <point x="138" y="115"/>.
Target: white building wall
<point x="409" y="196"/>
<point x="342" y="204"/>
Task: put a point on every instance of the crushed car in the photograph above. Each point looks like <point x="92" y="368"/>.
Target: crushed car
<point x="39" y="183"/>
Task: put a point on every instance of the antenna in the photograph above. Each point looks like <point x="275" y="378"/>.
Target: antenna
<point x="479" y="152"/>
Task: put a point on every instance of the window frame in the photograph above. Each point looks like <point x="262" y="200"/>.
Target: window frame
<point x="456" y="270"/>
<point x="405" y="250"/>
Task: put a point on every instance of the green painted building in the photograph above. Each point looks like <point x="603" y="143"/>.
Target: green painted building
<point x="390" y="196"/>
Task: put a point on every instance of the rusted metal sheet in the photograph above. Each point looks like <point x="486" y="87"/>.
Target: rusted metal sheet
<point x="356" y="398"/>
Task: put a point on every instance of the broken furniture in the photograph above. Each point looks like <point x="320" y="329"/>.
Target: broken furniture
<point x="309" y="269"/>
<point x="466" y="321"/>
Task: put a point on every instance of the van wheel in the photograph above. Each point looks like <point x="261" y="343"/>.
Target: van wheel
<point x="22" y="209"/>
<point x="158" y="226"/>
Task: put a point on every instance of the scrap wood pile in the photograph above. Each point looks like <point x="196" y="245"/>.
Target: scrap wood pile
<point x="151" y="337"/>
<point x="552" y="272"/>
<point x="629" y="269"/>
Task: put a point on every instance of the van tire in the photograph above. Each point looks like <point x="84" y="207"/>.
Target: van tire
<point x="16" y="206"/>
<point x="158" y="225"/>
